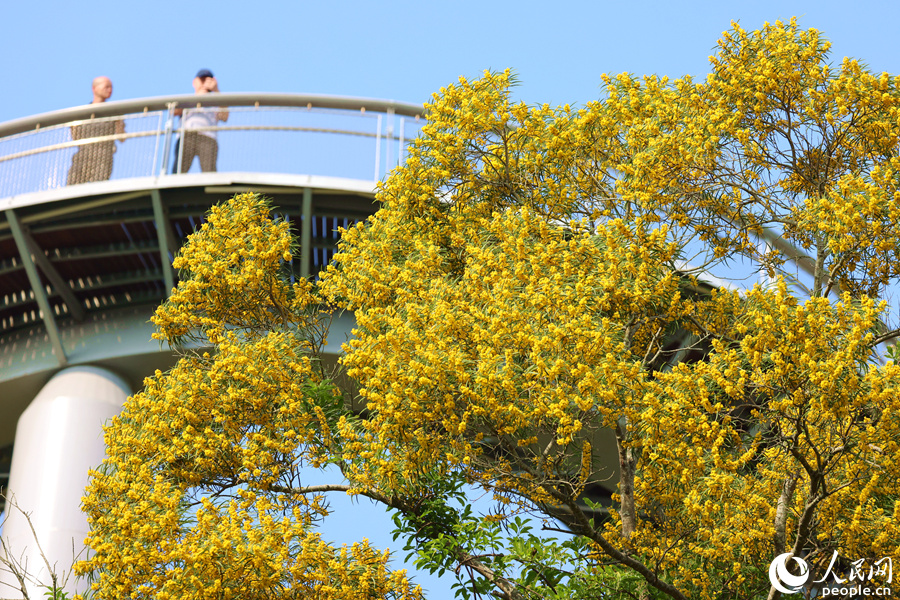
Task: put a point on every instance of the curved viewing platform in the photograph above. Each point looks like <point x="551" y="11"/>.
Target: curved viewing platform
<point x="82" y="265"/>
<point x="332" y="136"/>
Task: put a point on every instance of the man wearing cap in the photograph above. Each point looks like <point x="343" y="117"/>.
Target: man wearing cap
<point x="94" y="159"/>
<point x="199" y="127"/>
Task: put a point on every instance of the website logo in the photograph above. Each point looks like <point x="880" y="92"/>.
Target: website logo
<point x="782" y="579"/>
<point x="839" y="579"/>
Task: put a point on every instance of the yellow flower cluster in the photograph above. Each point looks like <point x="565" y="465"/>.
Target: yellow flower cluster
<point x="796" y="397"/>
<point x="775" y="137"/>
<point x="517" y="297"/>
<point x="231" y="276"/>
<point x="527" y="346"/>
<point x="525" y="323"/>
<point x="200" y="495"/>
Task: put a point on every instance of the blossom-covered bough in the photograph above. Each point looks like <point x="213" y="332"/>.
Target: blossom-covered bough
<point x="496" y="348"/>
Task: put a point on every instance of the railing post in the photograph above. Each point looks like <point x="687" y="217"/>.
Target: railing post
<point x="378" y="150"/>
<point x="178" y="160"/>
<point x="389" y="140"/>
<point x="159" y="132"/>
<point x="400" y="146"/>
<point x="167" y="144"/>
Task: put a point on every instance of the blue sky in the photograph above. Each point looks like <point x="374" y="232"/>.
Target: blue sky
<point x="400" y="50"/>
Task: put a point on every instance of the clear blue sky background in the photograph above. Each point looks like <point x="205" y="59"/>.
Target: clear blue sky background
<point x="393" y="49"/>
<point x="401" y="50"/>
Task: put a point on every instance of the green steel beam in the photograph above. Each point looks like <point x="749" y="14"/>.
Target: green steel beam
<point x="162" y="232"/>
<point x="56" y="280"/>
<point x="123" y="278"/>
<point x="306" y="233"/>
<point x="90" y="221"/>
<point x="112" y="301"/>
<point x="104" y="250"/>
<point x="58" y="212"/>
<point x="118" y="299"/>
<point x="242" y="189"/>
<point x="8" y="266"/>
<point x="108" y="281"/>
<point x="40" y="294"/>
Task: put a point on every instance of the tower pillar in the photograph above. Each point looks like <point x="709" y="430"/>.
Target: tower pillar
<point x="59" y="438"/>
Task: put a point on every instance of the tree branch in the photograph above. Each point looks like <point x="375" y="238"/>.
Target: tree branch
<point x="581" y="523"/>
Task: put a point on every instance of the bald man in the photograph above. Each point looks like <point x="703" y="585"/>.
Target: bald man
<point x="93" y="161"/>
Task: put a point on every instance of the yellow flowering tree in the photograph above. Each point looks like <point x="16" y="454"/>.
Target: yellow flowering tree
<point x="528" y="324"/>
<point x="201" y="494"/>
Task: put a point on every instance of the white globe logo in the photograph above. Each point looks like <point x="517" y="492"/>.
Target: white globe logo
<point x="779" y="574"/>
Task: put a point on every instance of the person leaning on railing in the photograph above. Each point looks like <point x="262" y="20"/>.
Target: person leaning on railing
<point x="93" y="161"/>
<point x="198" y="140"/>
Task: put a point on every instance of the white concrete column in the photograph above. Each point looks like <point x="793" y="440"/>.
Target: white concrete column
<point x="58" y="438"/>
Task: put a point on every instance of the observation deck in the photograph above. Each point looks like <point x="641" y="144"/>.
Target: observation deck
<point x="83" y="266"/>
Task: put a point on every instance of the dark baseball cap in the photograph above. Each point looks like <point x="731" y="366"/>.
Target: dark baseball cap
<point x="202" y="73"/>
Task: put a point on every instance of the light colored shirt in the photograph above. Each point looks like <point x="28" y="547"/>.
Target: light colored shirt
<point x="196" y="118"/>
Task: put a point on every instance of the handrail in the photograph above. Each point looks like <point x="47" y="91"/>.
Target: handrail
<point x="76" y="145"/>
<point x="122" y="107"/>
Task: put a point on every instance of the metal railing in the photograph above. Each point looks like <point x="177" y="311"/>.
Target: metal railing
<point x="335" y="136"/>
